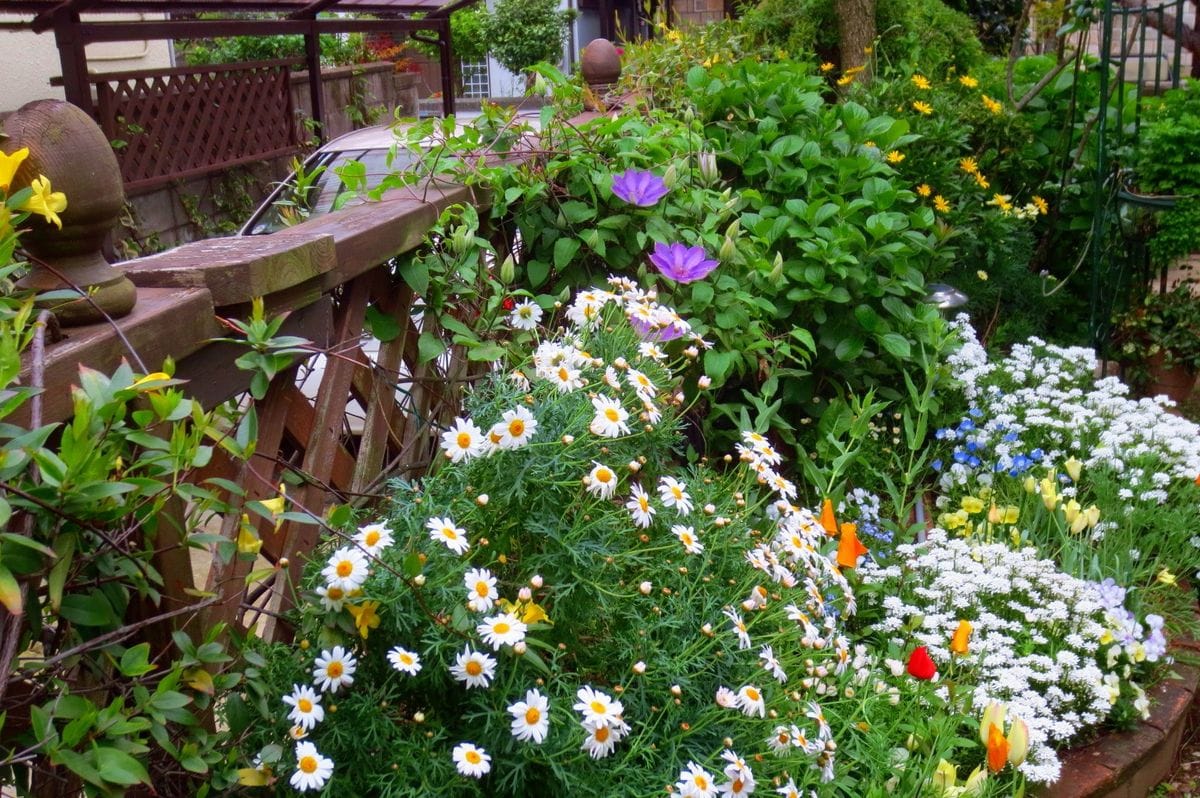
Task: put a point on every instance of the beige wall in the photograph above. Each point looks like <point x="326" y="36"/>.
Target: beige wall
<point x="31" y="59"/>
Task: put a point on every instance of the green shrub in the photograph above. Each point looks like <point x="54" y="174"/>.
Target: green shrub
<point x="521" y="33"/>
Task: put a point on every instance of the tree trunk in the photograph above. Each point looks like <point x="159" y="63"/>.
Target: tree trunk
<point x="856" y="31"/>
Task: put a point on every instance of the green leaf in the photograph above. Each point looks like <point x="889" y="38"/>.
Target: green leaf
<point x="537" y="271"/>
<point x="118" y="767"/>
<point x="702" y="295"/>
<point x="896" y="344"/>
<point x="416" y="274"/>
<point x="486" y="352"/>
<point x="717" y="363"/>
<point x="381" y="325"/>
<point x="10" y="592"/>
<point x="92" y="609"/>
<point x="429" y="347"/>
<point x="136" y="661"/>
<point x="697" y="78"/>
<point x="849" y="348"/>
<point x="564" y="251"/>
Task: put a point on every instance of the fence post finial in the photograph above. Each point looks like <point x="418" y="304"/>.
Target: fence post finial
<point x="67" y="147"/>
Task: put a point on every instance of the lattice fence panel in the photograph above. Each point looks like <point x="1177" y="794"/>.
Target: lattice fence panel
<point x="172" y="124"/>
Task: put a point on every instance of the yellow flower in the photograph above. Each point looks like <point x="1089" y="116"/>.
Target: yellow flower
<point x="1049" y="493"/>
<point x="922" y="82"/>
<point x="992" y="105"/>
<point x="972" y="505"/>
<point x="959" y="643"/>
<point x="940" y="205"/>
<point x="527" y="611"/>
<point x="845" y="80"/>
<point x="982" y="275"/>
<point x="922" y="108"/>
<point x="1042" y="206"/>
<point x="365" y="616"/>
<point x="827" y="66"/>
<point x="1074" y="468"/>
<point x="895" y="156"/>
<point x="673" y="36"/>
<point x="924" y="190"/>
<point x="1165" y="577"/>
<point x="9" y="165"/>
<point x="46" y="202"/>
<point x="868" y="50"/>
<point x="870" y="143"/>
<point x="248" y="541"/>
<point x="982" y="181"/>
<point x="968" y="81"/>
<point x="1002" y="201"/>
<point x="969" y="166"/>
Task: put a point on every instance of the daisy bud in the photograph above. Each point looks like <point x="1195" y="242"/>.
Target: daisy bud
<point x="645" y="588"/>
<point x="418" y="717"/>
<point x="707" y="630"/>
<point x="676" y="690"/>
<point x="419" y="580"/>
<point x="679" y="397"/>
<point x="639" y="667"/>
<point x="472" y="606"/>
<point x="482" y="500"/>
<point x="536" y="581"/>
<point x="634" y="466"/>
<point x="283" y="562"/>
<point x="709" y="509"/>
<point x="568" y="439"/>
<point x="519" y="648"/>
<point x="525" y="594"/>
<point x="621" y="363"/>
<point x="691" y="352"/>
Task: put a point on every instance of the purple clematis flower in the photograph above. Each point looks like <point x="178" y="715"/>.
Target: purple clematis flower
<point x="639" y="188"/>
<point x="650" y="332"/>
<point x="681" y="263"/>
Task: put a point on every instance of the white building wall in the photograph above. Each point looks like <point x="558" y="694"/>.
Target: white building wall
<point x="31" y="59"/>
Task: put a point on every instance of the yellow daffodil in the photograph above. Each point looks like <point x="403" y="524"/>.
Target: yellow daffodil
<point x="922" y="107"/>
<point x="365" y="616"/>
<point x="9" y="165"/>
<point x="922" y="82"/>
<point x="46" y="202"/>
<point x="968" y="81"/>
<point x="940" y="204"/>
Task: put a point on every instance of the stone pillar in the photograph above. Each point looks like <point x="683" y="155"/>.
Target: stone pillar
<point x="601" y="68"/>
<point x="69" y="148"/>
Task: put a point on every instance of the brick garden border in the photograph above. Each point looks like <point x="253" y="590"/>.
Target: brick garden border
<point x="1130" y="764"/>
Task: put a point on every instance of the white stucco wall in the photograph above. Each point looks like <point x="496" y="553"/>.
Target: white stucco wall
<point x="31" y="59"/>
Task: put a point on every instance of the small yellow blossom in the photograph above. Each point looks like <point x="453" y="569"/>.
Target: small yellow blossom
<point x="868" y="50"/>
<point x="870" y="143"/>
<point x="972" y="505"/>
<point x="827" y="66"/>
<point x="968" y="81"/>
<point x="9" y="165"/>
<point x="922" y="82"/>
<point x="1002" y="201"/>
<point x="895" y="156"/>
<point x="982" y="181"/>
<point x="982" y="275"/>
<point x="845" y="80"/>
<point x="969" y="166"/>
<point x="940" y="204"/>
<point x="365" y="616"/>
<point x="1042" y="206"/>
<point x="1165" y="577"/>
<point x="992" y="105"/>
<point x="922" y="107"/>
<point x="46" y="202"/>
<point x="248" y="541"/>
<point x="924" y="190"/>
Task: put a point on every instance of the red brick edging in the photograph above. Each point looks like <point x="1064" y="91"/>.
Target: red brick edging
<point x="1130" y="764"/>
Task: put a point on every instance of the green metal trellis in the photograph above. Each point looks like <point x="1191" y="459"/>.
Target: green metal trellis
<point x="1131" y="39"/>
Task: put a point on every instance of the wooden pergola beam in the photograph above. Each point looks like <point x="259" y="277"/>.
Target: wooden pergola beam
<point x="45" y="20"/>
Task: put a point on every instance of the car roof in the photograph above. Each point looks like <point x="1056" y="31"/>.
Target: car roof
<point x="381" y="137"/>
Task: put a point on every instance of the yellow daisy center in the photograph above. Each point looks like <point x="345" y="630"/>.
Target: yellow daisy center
<point x="334" y="670"/>
<point x="449" y="533"/>
<point x="783" y="738"/>
<point x="563" y="374"/>
<point x="473" y="668"/>
<point x="702" y="782"/>
<point x="601" y="734"/>
<point x="677" y="493"/>
<point x="532" y="716"/>
<point x="516" y="428"/>
<point x="334" y="593"/>
<point x="644" y="503"/>
<point x="345" y="568"/>
<point x="372" y="537"/>
<point x="406" y="659"/>
<point x="308" y="764"/>
<point x="304" y="705"/>
<point x="611" y="414"/>
<point x="482" y="590"/>
<point x="464" y="440"/>
<point x="599" y="708"/>
<point x="686" y="538"/>
<point x="501" y="628"/>
<point x="752" y="694"/>
<point x="473" y="757"/>
<point x="604" y="475"/>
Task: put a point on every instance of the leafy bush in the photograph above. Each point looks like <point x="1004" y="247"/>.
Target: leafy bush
<point x="521" y="33"/>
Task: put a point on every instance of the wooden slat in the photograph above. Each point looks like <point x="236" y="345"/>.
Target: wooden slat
<point x="380" y="398"/>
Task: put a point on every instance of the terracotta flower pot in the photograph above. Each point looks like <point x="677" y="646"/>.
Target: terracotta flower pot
<point x="1176" y="381"/>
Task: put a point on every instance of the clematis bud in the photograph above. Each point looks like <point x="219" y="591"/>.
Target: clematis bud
<point x="508" y="269"/>
<point x="706" y="162"/>
<point x="727" y="250"/>
<point x="671" y="176"/>
<point x="1018" y="742"/>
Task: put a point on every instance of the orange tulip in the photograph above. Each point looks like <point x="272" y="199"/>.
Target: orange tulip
<point x="829" y="521"/>
<point x="962" y="636"/>
<point x="997" y="749"/>
<point x="850" y="548"/>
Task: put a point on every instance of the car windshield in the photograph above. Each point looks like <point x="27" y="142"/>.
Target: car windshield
<point x="286" y="206"/>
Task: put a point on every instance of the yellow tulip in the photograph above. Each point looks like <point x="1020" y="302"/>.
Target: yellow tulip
<point x="1018" y="742"/>
<point x="945" y="777"/>
<point x="993" y="715"/>
<point x="1071" y="511"/>
<point x="1093" y="515"/>
<point x="46" y="202"/>
<point x="9" y="165"/>
<point x="1030" y="485"/>
<point x="1073" y="467"/>
<point x="1011" y="514"/>
<point x="995" y="515"/>
<point x="973" y="786"/>
<point x="1049" y="493"/>
<point x="959" y="643"/>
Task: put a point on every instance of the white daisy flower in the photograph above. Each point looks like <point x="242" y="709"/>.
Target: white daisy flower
<point x="405" y="661"/>
<point x="526" y="315"/>
<point x="610" y="418"/>
<point x="312" y="769"/>
<point x="602" y="739"/>
<point x="673" y="493"/>
<point x="597" y="707"/>
<point x="306" y="707"/>
<point x="651" y="350"/>
<point x="443" y="530"/>
<point x="602" y="481"/>
<point x="471" y="760"/>
<point x="780" y="741"/>
<point x="531" y="717"/>
<point x="612" y="379"/>
<point x="505" y="629"/>
<point x="726" y="698"/>
<point x="771" y="664"/>
<point x="687" y="536"/>
<point x="464" y="441"/>
<point x="644" y="386"/>
<point x="332" y="598"/>
<point x="696" y="782"/>
<point x="334" y="670"/>
<point x="741" y="777"/>
<point x="473" y="668"/>
<point x="565" y="378"/>
<point x="789" y="790"/>
<point x="347" y="569"/>
<point x="481" y="589"/>
<point x="374" y="538"/>
<point x="739" y="626"/>
<point x="750" y="701"/>
<point x="639" y="506"/>
<point x="516" y="428"/>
